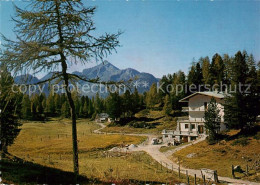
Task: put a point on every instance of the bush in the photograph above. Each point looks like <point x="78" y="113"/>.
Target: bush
<point x="141" y="124"/>
<point x="257" y="136"/>
<point x="211" y="141"/>
<point x="242" y="141"/>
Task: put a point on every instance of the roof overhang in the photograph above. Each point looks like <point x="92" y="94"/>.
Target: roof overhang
<point x="211" y="94"/>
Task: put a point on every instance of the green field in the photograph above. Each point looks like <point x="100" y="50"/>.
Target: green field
<point x="50" y="145"/>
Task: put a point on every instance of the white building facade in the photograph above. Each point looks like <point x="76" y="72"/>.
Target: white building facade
<point x="192" y="126"/>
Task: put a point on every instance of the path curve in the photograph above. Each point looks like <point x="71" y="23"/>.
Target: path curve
<point x="153" y="151"/>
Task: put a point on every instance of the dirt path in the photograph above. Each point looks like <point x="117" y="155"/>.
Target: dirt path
<point x="153" y="151"/>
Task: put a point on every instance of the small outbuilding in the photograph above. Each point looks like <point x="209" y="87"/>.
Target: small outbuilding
<point x="102" y="117"/>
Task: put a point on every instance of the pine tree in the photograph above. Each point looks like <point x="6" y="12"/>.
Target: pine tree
<point x="114" y="105"/>
<point x="205" y="70"/>
<point x="33" y="109"/>
<point x="217" y="71"/>
<point x="65" y="110"/>
<point x="39" y="107"/>
<point x="241" y="107"/>
<point x="99" y="107"/>
<point x="26" y="107"/>
<point x="136" y="101"/>
<point x="127" y="104"/>
<point x="86" y="109"/>
<point x="91" y="109"/>
<point x="57" y="103"/>
<point x="228" y="69"/>
<point x="82" y="101"/>
<point x="50" y="104"/>
<point x="195" y="75"/>
<point x="212" y="120"/>
<point x="43" y="102"/>
<point x="9" y="128"/>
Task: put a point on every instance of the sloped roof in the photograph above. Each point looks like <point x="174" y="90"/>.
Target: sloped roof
<point x="103" y="115"/>
<point x="219" y="95"/>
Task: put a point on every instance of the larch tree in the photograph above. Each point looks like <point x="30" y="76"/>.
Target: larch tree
<point x="205" y="69"/>
<point x="51" y="36"/>
<point x="167" y="108"/>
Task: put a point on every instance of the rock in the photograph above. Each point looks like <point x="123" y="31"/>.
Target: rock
<point x="191" y="155"/>
<point x="132" y="146"/>
<point x="115" y="149"/>
<point x="238" y="169"/>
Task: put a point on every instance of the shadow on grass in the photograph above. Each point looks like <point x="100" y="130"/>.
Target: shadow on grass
<point x="252" y="132"/>
<point x="18" y="171"/>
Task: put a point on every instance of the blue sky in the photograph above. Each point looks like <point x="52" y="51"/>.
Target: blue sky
<point x="162" y="37"/>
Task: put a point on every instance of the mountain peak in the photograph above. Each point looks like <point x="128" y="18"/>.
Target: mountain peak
<point x="107" y="64"/>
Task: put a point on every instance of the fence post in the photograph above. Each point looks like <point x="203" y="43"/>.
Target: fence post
<point x="233" y="173"/>
<point x="187" y="176"/>
<point x="195" y="179"/>
<point x="179" y="168"/>
<point x="215" y="176"/>
<point x="246" y="169"/>
<point x="204" y="180"/>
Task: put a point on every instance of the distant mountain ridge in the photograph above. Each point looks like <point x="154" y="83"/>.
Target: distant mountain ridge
<point x="105" y="72"/>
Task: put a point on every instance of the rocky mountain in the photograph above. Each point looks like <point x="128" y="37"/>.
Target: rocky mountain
<point x="105" y="72"/>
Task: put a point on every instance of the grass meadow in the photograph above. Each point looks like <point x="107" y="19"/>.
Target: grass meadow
<point x="222" y="156"/>
<point x="50" y="145"/>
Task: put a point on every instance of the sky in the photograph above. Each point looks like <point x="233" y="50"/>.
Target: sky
<point x="162" y="37"/>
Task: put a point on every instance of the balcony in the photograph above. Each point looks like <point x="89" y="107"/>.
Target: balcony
<point x="197" y="109"/>
<point x="188" y="120"/>
<point x="184" y="118"/>
<point x="180" y="133"/>
<point x="185" y="109"/>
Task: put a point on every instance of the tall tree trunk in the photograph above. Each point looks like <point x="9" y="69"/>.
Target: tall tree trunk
<point x="71" y="102"/>
<point x="73" y="118"/>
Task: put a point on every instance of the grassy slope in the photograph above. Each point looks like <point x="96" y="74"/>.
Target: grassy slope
<point x="157" y="119"/>
<point x="39" y="143"/>
<point x="220" y="157"/>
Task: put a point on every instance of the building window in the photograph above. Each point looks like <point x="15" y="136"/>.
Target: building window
<point x="192" y="126"/>
<point x="186" y="125"/>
